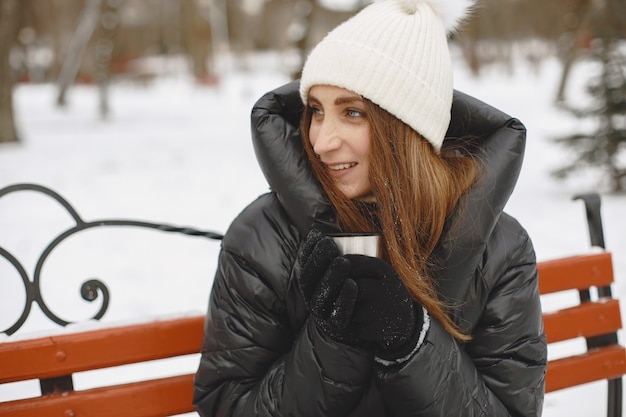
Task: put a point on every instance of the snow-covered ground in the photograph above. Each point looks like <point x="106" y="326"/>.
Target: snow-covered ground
<point x="178" y="153"/>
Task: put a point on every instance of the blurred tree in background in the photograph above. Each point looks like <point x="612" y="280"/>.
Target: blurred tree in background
<point x="102" y="41"/>
<point x="9" y="10"/>
<point x="604" y="145"/>
<point x="201" y="29"/>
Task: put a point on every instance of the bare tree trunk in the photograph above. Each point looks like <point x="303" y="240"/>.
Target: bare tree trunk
<point x="216" y="13"/>
<point x="305" y="18"/>
<point x="468" y="39"/>
<point x="86" y="26"/>
<point x="572" y="49"/>
<point x="9" y="17"/>
<point x="197" y="40"/>
<point x="109" y="22"/>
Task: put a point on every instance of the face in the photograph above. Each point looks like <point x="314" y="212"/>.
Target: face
<point x="340" y="136"/>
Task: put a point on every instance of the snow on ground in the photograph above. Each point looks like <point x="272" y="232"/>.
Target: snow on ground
<point x="178" y="153"/>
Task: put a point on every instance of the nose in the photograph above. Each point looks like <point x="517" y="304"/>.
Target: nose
<point x="328" y="137"/>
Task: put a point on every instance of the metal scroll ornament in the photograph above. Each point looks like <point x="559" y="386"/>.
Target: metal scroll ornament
<point x="90" y="290"/>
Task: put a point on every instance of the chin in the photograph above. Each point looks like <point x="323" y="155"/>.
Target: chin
<point x="359" y="195"/>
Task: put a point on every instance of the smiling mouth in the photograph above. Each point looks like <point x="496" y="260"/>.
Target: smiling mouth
<point x="339" y="167"/>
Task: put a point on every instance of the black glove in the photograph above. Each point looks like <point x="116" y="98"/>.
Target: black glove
<point x="384" y="313"/>
<point x="325" y="285"/>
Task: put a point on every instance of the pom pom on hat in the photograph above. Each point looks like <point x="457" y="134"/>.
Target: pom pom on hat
<point x="394" y="53"/>
<point x="451" y="12"/>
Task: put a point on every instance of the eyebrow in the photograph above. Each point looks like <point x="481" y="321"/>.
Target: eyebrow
<point x="341" y="100"/>
<point x="348" y="99"/>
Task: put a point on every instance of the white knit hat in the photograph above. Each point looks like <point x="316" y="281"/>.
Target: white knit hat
<point x="394" y="53"/>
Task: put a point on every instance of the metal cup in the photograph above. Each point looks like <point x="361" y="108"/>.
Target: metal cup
<point x="358" y="244"/>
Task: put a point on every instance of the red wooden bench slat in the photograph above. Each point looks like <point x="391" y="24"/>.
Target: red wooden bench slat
<point x="597" y="364"/>
<point x="65" y="354"/>
<point x="160" y="397"/>
<point x="585" y="320"/>
<point x="575" y="272"/>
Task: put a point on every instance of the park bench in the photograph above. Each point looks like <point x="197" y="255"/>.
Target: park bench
<point x="52" y="360"/>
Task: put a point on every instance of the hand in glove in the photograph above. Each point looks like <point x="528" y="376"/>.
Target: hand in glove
<point x="326" y="287"/>
<point x="384" y="312"/>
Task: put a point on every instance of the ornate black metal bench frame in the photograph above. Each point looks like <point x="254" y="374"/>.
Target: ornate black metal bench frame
<point x="91" y="289"/>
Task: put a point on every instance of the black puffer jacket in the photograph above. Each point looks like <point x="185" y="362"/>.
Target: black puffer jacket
<point x="261" y="354"/>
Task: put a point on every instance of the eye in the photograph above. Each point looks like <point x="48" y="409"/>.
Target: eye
<point x="315" y="110"/>
<point x="355" y="113"/>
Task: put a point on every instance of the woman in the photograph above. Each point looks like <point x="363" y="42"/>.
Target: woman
<point x="447" y="321"/>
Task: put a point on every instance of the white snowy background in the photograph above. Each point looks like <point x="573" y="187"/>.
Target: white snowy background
<point x="179" y="153"/>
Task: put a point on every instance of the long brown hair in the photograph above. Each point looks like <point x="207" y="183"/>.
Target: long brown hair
<point x="415" y="190"/>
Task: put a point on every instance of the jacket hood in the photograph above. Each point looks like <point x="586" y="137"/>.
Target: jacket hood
<point x="278" y="147"/>
<point x="496" y="139"/>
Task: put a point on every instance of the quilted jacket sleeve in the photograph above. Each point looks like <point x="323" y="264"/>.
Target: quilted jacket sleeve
<point x="253" y="362"/>
<point x="501" y="371"/>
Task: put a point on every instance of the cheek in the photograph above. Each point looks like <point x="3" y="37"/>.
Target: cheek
<point x="364" y="145"/>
